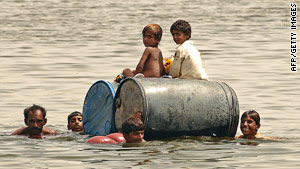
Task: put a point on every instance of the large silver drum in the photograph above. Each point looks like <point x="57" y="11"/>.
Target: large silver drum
<point x="175" y="107"/>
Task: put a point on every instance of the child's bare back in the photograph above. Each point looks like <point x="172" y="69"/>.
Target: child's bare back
<point x="151" y="63"/>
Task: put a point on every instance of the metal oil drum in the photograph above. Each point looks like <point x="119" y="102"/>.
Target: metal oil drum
<point x="176" y="107"/>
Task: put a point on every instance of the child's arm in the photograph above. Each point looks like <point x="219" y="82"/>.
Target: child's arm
<point x="164" y="71"/>
<point x="176" y="65"/>
<point x="141" y="64"/>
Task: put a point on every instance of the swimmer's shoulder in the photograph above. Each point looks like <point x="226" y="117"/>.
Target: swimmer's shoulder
<point x="21" y="131"/>
<point x="259" y="136"/>
<point x="48" y="131"/>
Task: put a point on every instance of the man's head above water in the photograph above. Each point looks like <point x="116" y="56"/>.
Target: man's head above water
<point x="133" y="130"/>
<point x="35" y="119"/>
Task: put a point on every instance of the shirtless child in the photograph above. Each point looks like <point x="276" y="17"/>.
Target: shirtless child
<point x="250" y="123"/>
<point x="151" y="63"/>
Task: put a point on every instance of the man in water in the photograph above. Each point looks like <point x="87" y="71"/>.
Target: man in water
<point x="75" y="121"/>
<point x="133" y="130"/>
<point x="35" y="119"/>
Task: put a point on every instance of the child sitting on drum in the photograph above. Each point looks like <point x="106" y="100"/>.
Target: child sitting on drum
<point x="151" y="62"/>
<point x="187" y="62"/>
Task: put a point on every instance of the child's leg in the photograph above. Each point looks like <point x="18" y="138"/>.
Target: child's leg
<point x="127" y="73"/>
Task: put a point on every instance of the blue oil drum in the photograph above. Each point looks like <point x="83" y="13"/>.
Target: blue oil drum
<point x="176" y="107"/>
<point x="98" y="117"/>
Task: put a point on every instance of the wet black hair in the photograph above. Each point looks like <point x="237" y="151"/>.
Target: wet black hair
<point x="183" y="26"/>
<point x="131" y="125"/>
<point x="253" y="115"/>
<point x="34" y="108"/>
<point x="75" y="113"/>
<point x="157" y="31"/>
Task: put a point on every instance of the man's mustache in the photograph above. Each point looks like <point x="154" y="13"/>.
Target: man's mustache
<point x="35" y="128"/>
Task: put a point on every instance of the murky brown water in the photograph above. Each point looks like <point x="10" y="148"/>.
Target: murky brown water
<point x="51" y="52"/>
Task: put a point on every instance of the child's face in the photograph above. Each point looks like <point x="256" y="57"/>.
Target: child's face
<point x="149" y="40"/>
<point x="249" y="126"/>
<point x="135" y="136"/>
<point x="75" y="123"/>
<point x="179" y="37"/>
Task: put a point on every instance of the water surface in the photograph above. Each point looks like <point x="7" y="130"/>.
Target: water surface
<point x="51" y="52"/>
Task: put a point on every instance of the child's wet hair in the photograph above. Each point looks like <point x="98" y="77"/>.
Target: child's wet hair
<point x="253" y="115"/>
<point x="182" y="26"/>
<point x="156" y="29"/>
<point x="75" y="113"/>
<point x="132" y="124"/>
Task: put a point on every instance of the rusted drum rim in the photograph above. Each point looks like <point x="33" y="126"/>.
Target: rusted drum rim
<point x="118" y="101"/>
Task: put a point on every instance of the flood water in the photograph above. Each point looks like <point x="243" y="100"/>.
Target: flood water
<point x="52" y="51"/>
